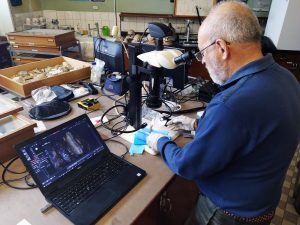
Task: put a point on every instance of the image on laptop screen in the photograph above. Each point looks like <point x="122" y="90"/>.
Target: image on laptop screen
<point x="54" y="155"/>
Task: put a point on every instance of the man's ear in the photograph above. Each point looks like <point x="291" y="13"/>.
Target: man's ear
<point x="223" y="48"/>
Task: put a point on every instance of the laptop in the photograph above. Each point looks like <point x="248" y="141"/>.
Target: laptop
<point x="76" y="172"/>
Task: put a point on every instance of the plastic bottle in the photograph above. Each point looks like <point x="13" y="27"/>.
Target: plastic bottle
<point x="105" y="31"/>
<point x="98" y="73"/>
<point x="93" y="77"/>
<point x="97" y="69"/>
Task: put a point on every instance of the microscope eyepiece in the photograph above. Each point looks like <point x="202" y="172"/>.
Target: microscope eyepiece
<point x="189" y="55"/>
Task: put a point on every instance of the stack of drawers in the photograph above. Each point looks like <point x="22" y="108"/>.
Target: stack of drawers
<point x="38" y="44"/>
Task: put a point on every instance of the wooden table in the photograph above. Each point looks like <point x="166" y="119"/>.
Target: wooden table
<point x="16" y="205"/>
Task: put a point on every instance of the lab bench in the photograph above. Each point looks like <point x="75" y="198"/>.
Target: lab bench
<point x="160" y="198"/>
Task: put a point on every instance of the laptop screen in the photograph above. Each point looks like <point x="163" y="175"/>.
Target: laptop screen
<point x="53" y="155"/>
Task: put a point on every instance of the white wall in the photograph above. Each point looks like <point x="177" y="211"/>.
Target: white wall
<point x="6" y="21"/>
<point x="283" y="25"/>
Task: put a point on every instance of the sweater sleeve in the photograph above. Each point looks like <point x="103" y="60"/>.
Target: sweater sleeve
<point x="219" y="137"/>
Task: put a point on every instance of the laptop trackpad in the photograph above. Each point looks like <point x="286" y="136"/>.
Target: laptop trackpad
<point x="92" y="209"/>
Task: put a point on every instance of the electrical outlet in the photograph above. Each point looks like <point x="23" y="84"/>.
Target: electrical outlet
<point x="95" y="7"/>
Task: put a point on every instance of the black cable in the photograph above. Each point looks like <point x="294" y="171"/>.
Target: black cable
<point x="168" y="94"/>
<point x="140" y="43"/>
<point x="110" y="96"/>
<point x="188" y="98"/>
<point x="125" y="98"/>
<point x="185" y="110"/>
<point x="114" y="136"/>
<point x="165" y="87"/>
<point x="126" y="148"/>
<point x="117" y="131"/>
<point x="29" y="183"/>
<point x="169" y="110"/>
<point x="145" y="89"/>
<point x="204" y="85"/>
<point x="190" y="83"/>
<point x="167" y="117"/>
<point x="14" y="172"/>
<point x="13" y="180"/>
<point x="6" y="182"/>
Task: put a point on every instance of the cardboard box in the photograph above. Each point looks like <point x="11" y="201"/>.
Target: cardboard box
<point x="13" y="130"/>
<point x="82" y="71"/>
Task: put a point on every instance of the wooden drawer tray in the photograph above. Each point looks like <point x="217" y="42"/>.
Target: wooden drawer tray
<point x="13" y="130"/>
<point x="45" y="49"/>
<point x="28" y="58"/>
<point x="8" y="107"/>
<point x="41" y="37"/>
<point x="81" y="71"/>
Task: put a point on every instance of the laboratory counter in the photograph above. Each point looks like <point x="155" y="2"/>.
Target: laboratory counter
<point x="160" y="198"/>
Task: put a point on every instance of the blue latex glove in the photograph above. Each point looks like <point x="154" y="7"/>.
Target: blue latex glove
<point x="136" y="149"/>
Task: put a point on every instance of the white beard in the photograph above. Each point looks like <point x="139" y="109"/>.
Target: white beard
<point x="215" y="78"/>
<point x="216" y="71"/>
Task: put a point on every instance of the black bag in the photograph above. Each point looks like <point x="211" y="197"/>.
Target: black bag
<point x="62" y="93"/>
<point x="50" y="110"/>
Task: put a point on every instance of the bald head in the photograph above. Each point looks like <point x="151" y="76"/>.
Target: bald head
<point x="232" y="33"/>
<point x="231" y="21"/>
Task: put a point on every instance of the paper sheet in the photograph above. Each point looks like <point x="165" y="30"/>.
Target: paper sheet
<point x="23" y="222"/>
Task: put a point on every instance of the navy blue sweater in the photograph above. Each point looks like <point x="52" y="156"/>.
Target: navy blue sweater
<point x="245" y="140"/>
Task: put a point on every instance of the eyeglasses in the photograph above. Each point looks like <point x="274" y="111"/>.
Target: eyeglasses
<point x="199" y="55"/>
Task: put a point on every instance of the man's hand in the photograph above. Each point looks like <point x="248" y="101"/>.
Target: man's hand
<point x="182" y="123"/>
<point x="152" y="140"/>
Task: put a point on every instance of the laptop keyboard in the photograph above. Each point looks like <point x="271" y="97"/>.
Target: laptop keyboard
<point x="83" y="188"/>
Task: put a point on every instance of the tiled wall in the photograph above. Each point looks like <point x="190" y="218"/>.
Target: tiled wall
<point x="82" y="19"/>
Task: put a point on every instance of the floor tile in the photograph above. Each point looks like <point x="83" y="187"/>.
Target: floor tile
<point x="285" y="213"/>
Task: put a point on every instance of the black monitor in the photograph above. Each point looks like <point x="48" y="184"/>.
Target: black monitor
<point x="178" y="75"/>
<point x="112" y="53"/>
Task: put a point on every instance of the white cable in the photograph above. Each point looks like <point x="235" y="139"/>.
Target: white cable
<point x="125" y="49"/>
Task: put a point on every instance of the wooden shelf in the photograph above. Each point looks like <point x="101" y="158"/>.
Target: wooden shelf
<point x="127" y="14"/>
<point x="170" y="16"/>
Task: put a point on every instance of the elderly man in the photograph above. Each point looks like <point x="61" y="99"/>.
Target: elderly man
<point x="248" y="134"/>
